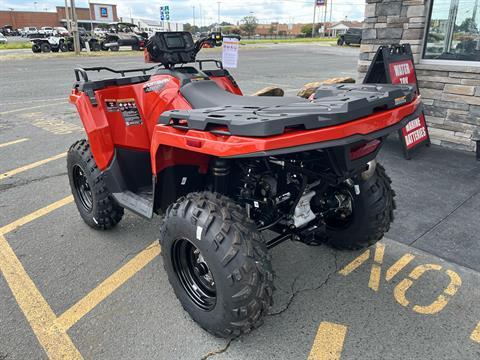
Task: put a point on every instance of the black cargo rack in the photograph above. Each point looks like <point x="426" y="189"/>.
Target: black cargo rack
<point x="83" y="83"/>
<point x="81" y="73"/>
<point x="333" y="105"/>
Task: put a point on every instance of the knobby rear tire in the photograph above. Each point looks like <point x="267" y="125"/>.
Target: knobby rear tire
<point x="372" y="214"/>
<point x="105" y="213"/>
<point x="236" y="256"/>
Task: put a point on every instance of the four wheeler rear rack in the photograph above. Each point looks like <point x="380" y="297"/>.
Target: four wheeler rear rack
<point x="333" y="105"/>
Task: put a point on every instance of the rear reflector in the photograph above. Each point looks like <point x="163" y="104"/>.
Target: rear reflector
<point x="360" y="151"/>
<point x="194" y="143"/>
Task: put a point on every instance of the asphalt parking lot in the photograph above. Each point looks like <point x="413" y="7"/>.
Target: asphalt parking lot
<point x="67" y="291"/>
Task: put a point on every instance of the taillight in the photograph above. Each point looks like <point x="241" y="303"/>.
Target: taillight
<point x="360" y="151"/>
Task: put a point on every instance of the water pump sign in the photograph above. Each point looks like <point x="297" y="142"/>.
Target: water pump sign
<point x="394" y="65"/>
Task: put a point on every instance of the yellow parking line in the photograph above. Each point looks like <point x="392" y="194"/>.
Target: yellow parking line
<point x="57" y="344"/>
<point x="35" y="215"/>
<point x="31" y="166"/>
<point x="476" y="334"/>
<point x="107" y="287"/>
<point x="328" y="343"/>
<point x="31" y="107"/>
<point x="13" y="142"/>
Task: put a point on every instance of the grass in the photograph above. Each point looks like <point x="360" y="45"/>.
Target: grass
<point x="69" y="54"/>
<point x="296" y="40"/>
<point x="16" y="45"/>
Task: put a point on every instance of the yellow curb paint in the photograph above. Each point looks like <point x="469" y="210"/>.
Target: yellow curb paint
<point x="107" y="287"/>
<point x="476" y="334"/>
<point x="13" y="142"/>
<point x="398" y="266"/>
<point x="328" y="343"/>
<point x="32" y="107"/>
<point x="31" y="166"/>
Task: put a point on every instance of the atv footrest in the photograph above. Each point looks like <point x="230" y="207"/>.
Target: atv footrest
<point x="141" y="204"/>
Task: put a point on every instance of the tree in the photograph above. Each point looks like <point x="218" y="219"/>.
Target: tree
<point x="272" y="29"/>
<point x="307" y="29"/>
<point x="192" y="29"/>
<point x="250" y="24"/>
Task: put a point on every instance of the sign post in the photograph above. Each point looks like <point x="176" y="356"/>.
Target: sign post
<point x="164" y="15"/>
<point x="394" y="65"/>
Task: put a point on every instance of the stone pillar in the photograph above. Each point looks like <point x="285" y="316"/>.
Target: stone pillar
<point x="391" y="22"/>
<point x="450" y="92"/>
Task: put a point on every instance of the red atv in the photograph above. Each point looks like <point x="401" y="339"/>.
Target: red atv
<point x="223" y="168"/>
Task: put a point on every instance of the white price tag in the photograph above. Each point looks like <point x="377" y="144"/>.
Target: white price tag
<point x="230" y="52"/>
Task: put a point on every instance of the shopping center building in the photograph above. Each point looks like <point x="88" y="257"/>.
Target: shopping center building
<point x="94" y="15"/>
<point x="445" y="40"/>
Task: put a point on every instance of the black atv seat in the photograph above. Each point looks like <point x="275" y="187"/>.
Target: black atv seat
<point x="264" y="116"/>
<point x="206" y="94"/>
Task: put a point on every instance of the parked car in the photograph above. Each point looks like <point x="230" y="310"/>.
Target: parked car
<point x="29" y="31"/>
<point x="60" y="30"/>
<point x="46" y="30"/>
<point x="3" y="39"/>
<point x="8" y="30"/>
<point x="352" y="36"/>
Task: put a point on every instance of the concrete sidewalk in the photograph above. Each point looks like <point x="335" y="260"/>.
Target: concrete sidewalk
<point x="438" y="201"/>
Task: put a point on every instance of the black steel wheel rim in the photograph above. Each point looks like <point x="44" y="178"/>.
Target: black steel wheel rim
<point x="82" y="188"/>
<point x="194" y="274"/>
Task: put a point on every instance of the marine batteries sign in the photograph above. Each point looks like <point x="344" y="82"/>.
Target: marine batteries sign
<point x="394" y="65"/>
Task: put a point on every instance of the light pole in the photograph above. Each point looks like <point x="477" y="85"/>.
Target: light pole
<point x="35" y="5"/>
<point x="314" y="17"/>
<point x="67" y="17"/>
<point x="90" y="14"/>
<point x="218" y="21"/>
<point x="193" y="7"/>
<point x="76" y="37"/>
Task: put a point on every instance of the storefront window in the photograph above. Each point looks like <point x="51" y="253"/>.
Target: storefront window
<point x="453" y="31"/>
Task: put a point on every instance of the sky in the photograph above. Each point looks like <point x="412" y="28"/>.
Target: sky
<point x="284" y="11"/>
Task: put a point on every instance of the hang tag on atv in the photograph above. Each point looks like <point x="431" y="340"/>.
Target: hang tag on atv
<point x="230" y="52"/>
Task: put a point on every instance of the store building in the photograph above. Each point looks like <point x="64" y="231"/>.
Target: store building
<point x="96" y="14"/>
<point x="445" y="39"/>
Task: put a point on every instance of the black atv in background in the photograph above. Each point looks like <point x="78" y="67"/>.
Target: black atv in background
<point x="124" y="34"/>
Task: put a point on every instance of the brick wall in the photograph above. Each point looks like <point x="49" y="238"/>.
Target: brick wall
<point x="20" y="19"/>
<point x="451" y="93"/>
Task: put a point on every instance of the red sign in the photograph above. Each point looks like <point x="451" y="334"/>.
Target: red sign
<point x="415" y="132"/>
<point x="402" y="72"/>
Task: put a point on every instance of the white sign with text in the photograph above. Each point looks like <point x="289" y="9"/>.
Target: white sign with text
<point x="230" y="52"/>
